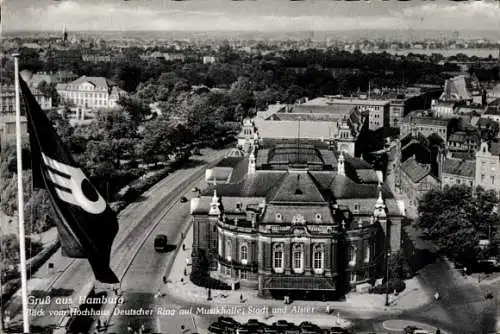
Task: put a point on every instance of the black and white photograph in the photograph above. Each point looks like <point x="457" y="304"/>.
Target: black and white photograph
<point x="249" y="167"/>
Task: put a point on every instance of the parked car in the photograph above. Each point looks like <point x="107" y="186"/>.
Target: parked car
<point x="161" y="243"/>
<point x="183" y="199"/>
<point x="338" y="330"/>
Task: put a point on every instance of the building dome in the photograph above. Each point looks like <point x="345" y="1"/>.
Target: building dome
<point x="26" y="75"/>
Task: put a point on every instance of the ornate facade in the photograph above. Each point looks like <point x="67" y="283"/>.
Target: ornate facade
<point x="295" y="229"/>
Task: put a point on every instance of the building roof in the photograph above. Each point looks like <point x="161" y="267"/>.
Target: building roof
<point x="464" y="136"/>
<point x="290" y="129"/>
<point x="494" y="148"/>
<point x="466" y="168"/>
<point x="297" y="187"/>
<point x="460" y="87"/>
<point x="316" y="187"/>
<point x="415" y="170"/>
<point x="425" y="120"/>
<point x="493" y="108"/>
<point x="100" y="82"/>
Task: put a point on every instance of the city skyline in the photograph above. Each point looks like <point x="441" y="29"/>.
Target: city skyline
<point x="226" y="15"/>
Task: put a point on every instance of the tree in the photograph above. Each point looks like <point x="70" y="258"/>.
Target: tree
<point x="61" y="123"/>
<point x="39" y="214"/>
<point x="456" y="219"/>
<point x="135" y="108"/>
<point x="241" y="93"/>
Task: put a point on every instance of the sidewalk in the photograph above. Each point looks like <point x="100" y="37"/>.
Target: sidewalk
<point x="413" y="297"/>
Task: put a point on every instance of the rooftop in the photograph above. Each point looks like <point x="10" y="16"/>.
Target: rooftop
<point x="466" y="168"/>
<point x="415" y="170"/>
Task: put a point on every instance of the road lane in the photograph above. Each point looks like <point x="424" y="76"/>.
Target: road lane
<point x="144" y="277"/>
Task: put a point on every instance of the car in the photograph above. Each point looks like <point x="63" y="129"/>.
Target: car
<point x="338" y="330"/>
<point x="183" y="199"/>
<point x="228" y="321"/>
<point x="216" y="328"/>
<point x="161" y="243"/>
<point x="411" y="330"/>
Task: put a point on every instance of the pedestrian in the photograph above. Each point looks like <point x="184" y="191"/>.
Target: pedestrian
<point x="241" y="298"/>
<point x="182" y="235"/>
<point x="143" y="328"/>
<point x="98" y="324"/>
<point x="129" y="329"/>
<point x="164" y="279"/>
<point x="436" y="296"/>
<point x="328" y="309"/>
<point x="438" y="331"/>
<point x="183" y="247"/>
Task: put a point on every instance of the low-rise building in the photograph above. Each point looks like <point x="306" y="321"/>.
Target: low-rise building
<point x="416" y="179"/>
<point x="8" y="99"/>
<point x="8" y="130"/>
<point x="417" y="121"/>
<point x="464" y="141"/>
<point x="90" y="92"/>
<point x="488" y="166"/>
<point x="458" y="172"/>
<point x="492" y="111"/>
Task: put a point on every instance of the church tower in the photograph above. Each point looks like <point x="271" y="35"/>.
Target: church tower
<point x="345" y="139"/>
<point x="64" y="35"/>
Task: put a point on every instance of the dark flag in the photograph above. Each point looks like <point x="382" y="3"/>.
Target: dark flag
<point x="87" y="226"/>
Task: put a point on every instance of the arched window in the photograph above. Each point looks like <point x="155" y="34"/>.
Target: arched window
<point x="298" y="258"/>
<point x="244" y="253"/>
<point x="278" y="264"/>
<point x="318" y="258"/>
<point x="229" y="249"/>
<point x="352" y="255"/>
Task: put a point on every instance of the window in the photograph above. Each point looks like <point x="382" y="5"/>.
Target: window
<point x="220" y="248"/>
<point x="482" y="177"/>
<point x="352" y="255"/>
<point x="278" y="258"/>
<point x="356" y="207"/>
<point x="318" y="258"/>
<point x="368" y="247"/>
<point x="228" y="251"/>
<point x="298" y="258"/>
<point x="244" y="253"/>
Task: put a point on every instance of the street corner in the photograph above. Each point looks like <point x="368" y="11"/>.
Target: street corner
<point x="399" y="325"/>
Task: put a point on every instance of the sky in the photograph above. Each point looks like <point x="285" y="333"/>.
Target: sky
<point x="250" y="15"/>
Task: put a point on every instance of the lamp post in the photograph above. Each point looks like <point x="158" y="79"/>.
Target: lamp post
<point x="387" y="277"/>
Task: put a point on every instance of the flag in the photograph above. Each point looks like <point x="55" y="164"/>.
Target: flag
<point x="87" y="226"/>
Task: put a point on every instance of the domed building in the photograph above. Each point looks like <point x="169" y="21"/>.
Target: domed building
<point x="295" y="224"/>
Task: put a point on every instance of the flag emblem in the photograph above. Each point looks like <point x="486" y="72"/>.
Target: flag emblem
<point x="73" y="187"/>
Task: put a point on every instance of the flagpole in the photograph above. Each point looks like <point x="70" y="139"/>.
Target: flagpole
<point x="20" y="203"/>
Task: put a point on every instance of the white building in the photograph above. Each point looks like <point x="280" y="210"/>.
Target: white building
<point x="90" y="92"/>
